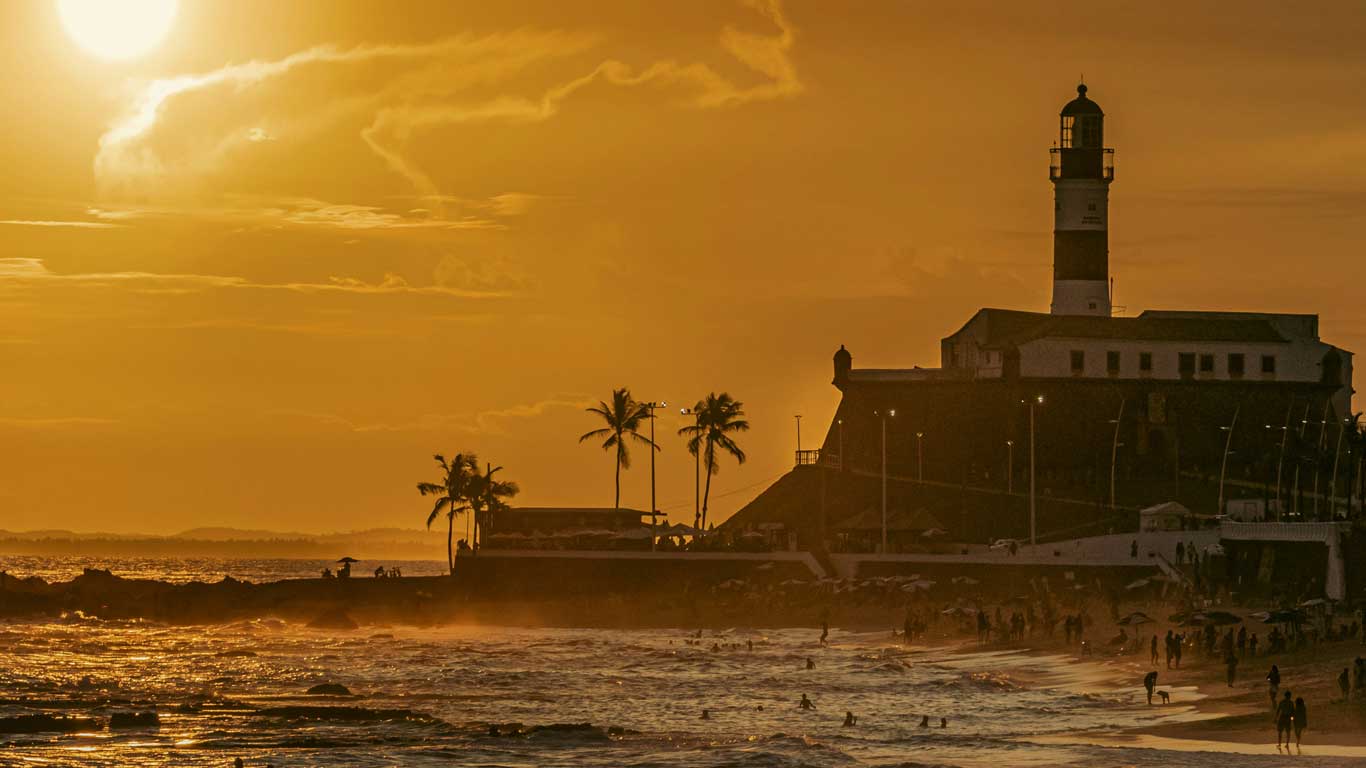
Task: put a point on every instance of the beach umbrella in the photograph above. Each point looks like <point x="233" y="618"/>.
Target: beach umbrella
<point x="348" y="560"/>
<point x="1284" y="616"/>
<point x="1134" y="619"/>
<point x="1220" y="618"/>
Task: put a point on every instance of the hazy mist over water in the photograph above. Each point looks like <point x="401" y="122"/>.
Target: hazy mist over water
<point x="427" y="697"/>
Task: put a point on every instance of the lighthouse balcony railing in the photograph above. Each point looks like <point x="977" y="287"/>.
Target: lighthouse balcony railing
<point x="1076" y="169"/>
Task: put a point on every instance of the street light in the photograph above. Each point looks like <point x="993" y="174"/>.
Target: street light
<point x="654" y="447"/>
<point x="840" y="422"/>
<point x="1010" y="467"/>
<point x="919" y="457"/>
<point x="798" y="417"/>
<point x="1223" y="465"/>
<point x="697" y="471"/>
<point x="891" y="413"/>
<point x="1114" y="452"/>
<point x="1033" y="503"/>
<point x="1280" y="462"/>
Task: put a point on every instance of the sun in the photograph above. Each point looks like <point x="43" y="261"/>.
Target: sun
<point x="117" y="29"/>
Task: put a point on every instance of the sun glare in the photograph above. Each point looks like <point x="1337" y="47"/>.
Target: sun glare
<point x="117" y="30"/>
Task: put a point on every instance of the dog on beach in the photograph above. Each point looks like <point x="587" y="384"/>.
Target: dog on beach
<point x="1166" y="697"/>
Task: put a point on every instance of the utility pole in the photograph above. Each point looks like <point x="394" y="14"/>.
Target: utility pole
<point x="1033" y="503"/>
<point x="1223" y="465"/>
<point x="1114" y="453"/>
<point x="654" y="448"/>
<point x="1010" y="467"/>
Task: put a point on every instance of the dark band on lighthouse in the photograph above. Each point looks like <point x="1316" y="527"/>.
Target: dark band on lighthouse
<point x="1081" y="172"/>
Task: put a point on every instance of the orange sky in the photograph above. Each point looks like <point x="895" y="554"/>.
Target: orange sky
<point x="258" y="275"/>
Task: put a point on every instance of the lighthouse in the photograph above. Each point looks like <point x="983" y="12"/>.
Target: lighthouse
<point x="1081" y="170"/>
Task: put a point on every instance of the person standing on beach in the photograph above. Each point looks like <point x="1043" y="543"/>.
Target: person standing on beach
<point x="1285" y="720"/>
<point x="825" y="631"/>
<point x="1345" y="684"/>
<point x="1301" y="719"/>
<point x="1176" y="649"/>
<point x="1252" y="645"/>
<point x="1154" y="649"/>
<point x="1149" y="684"/>
<point x="1242" y="640"/>
<point x="1231" y="660"/>
<point x="1169" y="642"/>
<point x="1273" y="681"/>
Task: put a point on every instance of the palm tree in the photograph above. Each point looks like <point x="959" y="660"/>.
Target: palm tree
<point x="623" y="417"/>
<point x="718" y="417"/>
<point x="452" y="492"/>
<point x="486" y="498"/>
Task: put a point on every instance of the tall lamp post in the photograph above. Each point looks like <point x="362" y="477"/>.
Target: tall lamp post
<point x="798" y="417"/>
<point x="1280" y="462"/>
<point x="1010" y="467"/>
<point x="920" y="457"/>
<point x="654" y="447"/>
<point x="697" y="472"/>
<point x="1114" y="452"/>
<point x="1033" y="503"/>
<point x="1223" y="465"/>
<point x="884" y="474"/>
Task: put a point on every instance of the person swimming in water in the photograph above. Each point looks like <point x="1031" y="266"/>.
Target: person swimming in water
<point x="849" y="720"/>
<point x="925" y="721"/>
<point x="943" y="722"/>
<point x="706" y="715"/>
<point x="809" y="663"/>
<point x="806" y="703"/>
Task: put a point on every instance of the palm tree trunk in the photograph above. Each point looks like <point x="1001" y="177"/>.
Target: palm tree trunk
<point x="450" y="535"/>
<point x="616" y="500"/>
<point x="706" y="494"/>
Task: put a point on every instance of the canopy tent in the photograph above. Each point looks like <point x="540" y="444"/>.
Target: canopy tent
<point x="1167" y="516"/>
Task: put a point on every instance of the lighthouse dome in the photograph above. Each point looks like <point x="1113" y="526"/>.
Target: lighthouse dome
<point x="1081" y="105"/>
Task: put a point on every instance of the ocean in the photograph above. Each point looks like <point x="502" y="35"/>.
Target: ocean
<point x="511" y="696"/>
<point x="206" y="569"/>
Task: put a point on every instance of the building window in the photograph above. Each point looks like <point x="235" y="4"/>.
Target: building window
<point x="1145" y="362"/>
<point x="1236" y="364"/>
<point x="1112" y="362"/>
<point x="1207" y="363"/>
<point x="1269" y="364"/>
<point x="1078" y="361"/>
<point x="1186" y="364"/>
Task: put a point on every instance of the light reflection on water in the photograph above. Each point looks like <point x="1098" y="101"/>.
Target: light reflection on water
<point x="206" y="569"/>
<point x="650" y="684"/>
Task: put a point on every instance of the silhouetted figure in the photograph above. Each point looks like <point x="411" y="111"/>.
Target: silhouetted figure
<point x="1285" y="720"/>
<point x="706" y="715"/>
<point x="1252" y="645"/>
<point x="925" y="721"/>
<point x="943" y="722"/>
<point x="1231" y="662"/>
<point x="809" y="663"/>
<point x="849" y="720"/>
<point x="1345" y="684"/>
<point x="1149" y="684"/>
<point x="1301" y="719"/>
<point x="825" y="631"/>
<point x="1242" y="640"/>
<point x="1133" y="549"/>
<point x="806" y="703"/>
<point x="1171" y="639"/>
<point x="237" y="763"/>
<point x="1273" y="681"/>
<point x="750" y="643"/>
<point x="379" y="572"/>
<point x="1153" y="653"/>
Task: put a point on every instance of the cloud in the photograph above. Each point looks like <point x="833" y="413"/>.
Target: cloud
<point x="181" y="128"/>
<point x="73" y="224"/>
<point x="63" y="422"/>
<point x="489" y="422"/>
<point x="30" y="271"/>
